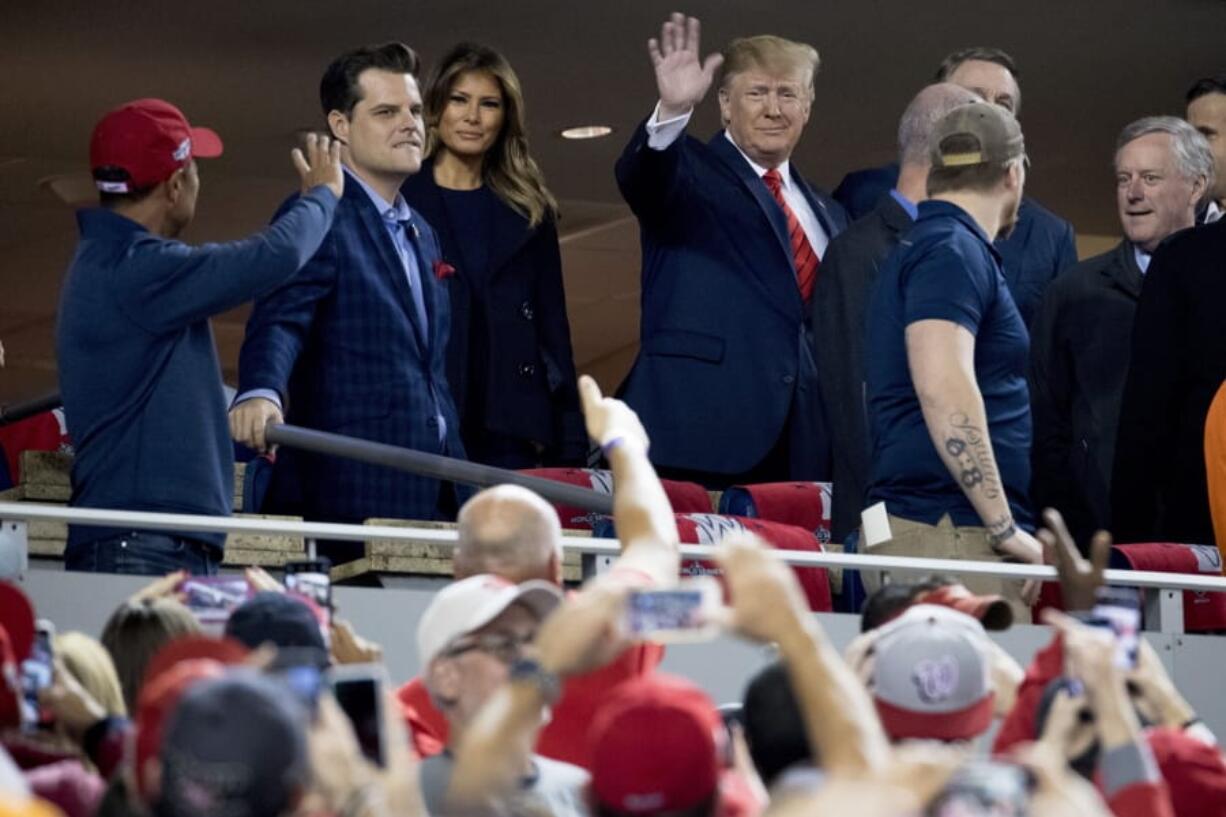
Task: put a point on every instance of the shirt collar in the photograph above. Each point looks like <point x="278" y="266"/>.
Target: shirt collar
<point x="1142" y="257"/>
<point x="1213" y="212"/>
<point x="784" y="169"/>
<point x="936" y="208"/>
<point x="905" y="203"/>
<point x="397" y="210"/>
<point x="99" y="220"/>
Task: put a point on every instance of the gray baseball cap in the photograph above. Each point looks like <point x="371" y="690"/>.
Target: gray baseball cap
<point x="931" y="675"/>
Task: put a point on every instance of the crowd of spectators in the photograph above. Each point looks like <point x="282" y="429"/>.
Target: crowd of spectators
<point x="162" y="719"/>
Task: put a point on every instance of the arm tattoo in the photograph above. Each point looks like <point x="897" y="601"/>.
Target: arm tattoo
<point x="972" y="450"/>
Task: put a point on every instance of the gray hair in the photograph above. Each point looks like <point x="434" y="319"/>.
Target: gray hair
<point x="1192" y="153"/>
<point x="922" y="114"/>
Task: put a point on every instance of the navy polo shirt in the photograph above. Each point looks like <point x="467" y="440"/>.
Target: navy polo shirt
<point x="945" y="269"/>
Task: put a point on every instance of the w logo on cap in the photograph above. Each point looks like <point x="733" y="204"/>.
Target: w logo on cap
<point x="183" y="150"/>
<point x="936" y="679"/>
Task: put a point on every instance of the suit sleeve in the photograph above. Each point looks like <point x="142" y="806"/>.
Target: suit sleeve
<point x="554" y="336"/>
<point x="652" y="181"/>
<point x="1051" y="390"/>
<point x="177" y="285"/>
<point x="281" y="321"/>
<point x="1066" y="249"/>
<point x="1145" y="439"/>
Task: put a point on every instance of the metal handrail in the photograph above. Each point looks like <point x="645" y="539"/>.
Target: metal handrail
<point x="797" y="558"/>
<point x="15" y="412"/>
<point x="436" y="466"/>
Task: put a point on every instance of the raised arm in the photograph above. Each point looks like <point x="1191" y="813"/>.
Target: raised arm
<point x="641" y="511"/>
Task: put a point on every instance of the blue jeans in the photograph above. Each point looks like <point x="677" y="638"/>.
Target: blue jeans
<point x="142" y="553"/>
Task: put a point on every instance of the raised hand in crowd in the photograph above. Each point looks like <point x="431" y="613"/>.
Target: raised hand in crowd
<point x="318" y="162"/>
<point x="1079" y="578"/>
<point x="767" y="605"/>
<point x="345" y="782"/>
<point x="682" y="76"/>
<point x="250" y="418"/>
<point x="641" y="510"/>
<point x="163" y="587"/>
<point x="350" y="648"/>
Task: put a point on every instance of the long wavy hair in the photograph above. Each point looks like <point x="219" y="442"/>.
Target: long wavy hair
<point x="507" y="168"/>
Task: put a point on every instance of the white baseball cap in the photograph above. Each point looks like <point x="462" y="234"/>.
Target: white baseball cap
<point x="470" y="604"/>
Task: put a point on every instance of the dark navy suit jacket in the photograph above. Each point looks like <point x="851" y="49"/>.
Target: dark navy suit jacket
<point x="341" y="344"/>
<point x="724" y="346"/>
<point x="530" y="388"/>
<point x="1041" y="246"/>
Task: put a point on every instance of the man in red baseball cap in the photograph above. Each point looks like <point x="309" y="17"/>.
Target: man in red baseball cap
<point x="139" y="373"/>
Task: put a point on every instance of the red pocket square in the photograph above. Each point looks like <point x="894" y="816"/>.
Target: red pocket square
<point x="443" y="270"/>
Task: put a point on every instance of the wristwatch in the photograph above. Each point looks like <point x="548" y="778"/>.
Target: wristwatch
<point x="529" y="670"/>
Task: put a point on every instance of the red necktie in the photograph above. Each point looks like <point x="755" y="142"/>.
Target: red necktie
<point x="803" y="258"/>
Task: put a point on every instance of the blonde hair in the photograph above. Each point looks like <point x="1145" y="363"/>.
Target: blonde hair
<point x="768" y="52"/>
<point x="91" y="665"/>
<point x="507" y="168"/>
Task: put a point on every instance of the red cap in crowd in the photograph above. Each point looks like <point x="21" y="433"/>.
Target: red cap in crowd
<point x="993" y="612"/>
<point x="16" y="639"/>
<point x="142" y="143"/>
<point x="1195" y="773"/>
<point x="654" y="747"/>
<point x="158" y="699"/>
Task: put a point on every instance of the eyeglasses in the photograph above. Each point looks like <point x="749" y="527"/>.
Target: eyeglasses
<point x="505" y="647"/>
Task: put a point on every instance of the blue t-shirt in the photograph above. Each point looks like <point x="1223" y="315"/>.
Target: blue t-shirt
<point x="945" y="269"/>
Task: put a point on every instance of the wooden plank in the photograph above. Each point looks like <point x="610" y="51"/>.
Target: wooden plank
<point x="46" y="468"/>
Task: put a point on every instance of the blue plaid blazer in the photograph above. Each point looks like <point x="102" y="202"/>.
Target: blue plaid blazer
<point x="341" y="344"/>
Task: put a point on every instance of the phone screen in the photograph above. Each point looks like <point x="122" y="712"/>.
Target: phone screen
<point x="680" y="614"/>
<point x="1119" y="611"/>
<point x="37" y="673"/>
<point x="311" y="578"/>
<point x="359" y="698"/>
<point x="212" y="598"/>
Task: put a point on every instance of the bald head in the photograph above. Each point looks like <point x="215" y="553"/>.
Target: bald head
<point x="927" y="108"/>
<point x="510" y="532"/>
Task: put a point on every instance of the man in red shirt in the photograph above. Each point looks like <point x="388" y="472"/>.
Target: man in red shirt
<point x="512" y="533"/>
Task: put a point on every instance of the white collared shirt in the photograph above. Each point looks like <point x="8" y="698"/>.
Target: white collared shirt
<point x="662" y="134"/>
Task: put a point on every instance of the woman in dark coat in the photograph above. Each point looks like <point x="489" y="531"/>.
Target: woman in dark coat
<point x="509" y="358"/>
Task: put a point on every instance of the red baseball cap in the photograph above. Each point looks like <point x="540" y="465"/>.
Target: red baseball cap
<point x="142" y="143"/>
<point x="17" y="619"/>
<point x="158" y="699"/>
<point x="225" y="651"/>
<point x="654" y="747"/>
<point x="1195" y="773"/>
<point x="993" y="612"/>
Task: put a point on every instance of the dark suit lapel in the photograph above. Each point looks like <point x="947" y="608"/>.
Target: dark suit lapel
<point x="753" y="184"/>
<point x="732" y="157"/>
<point x="816" y="204"/>
<point x="510" y="232"/>
<point x="1123" y="269"/>
<point x="1019" y="237"/>
<point x="372" y="222"/>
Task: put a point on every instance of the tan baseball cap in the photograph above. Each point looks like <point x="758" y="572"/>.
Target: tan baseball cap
<point x="974" y="134"/>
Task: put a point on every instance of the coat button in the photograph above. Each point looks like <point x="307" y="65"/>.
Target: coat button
<point x="525" y="309"/>
<point x="789" y="379"/>
<point x="527" y="369"/>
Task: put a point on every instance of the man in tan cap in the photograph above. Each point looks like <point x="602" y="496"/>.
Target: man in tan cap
<point x="949" y="412"/>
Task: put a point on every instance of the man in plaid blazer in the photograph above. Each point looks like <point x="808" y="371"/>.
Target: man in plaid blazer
<point x="355" y="343"/>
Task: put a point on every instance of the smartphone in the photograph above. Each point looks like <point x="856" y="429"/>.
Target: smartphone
<point x="212" y="598"/>
<point x="311" y="578"/>
<point x="37" y="673"/>
<point x="684" y="613"/>
<point x="358" y="688"/>
<point x="1118" y="609"/>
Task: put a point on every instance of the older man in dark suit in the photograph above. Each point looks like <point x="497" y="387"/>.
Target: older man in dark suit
<point x="1042" y="244"/>
<point x="356" y="343"/>
<point x="841" y="294"/>
<point x="1081" y="337"/>
<point x="733" y="239"/>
